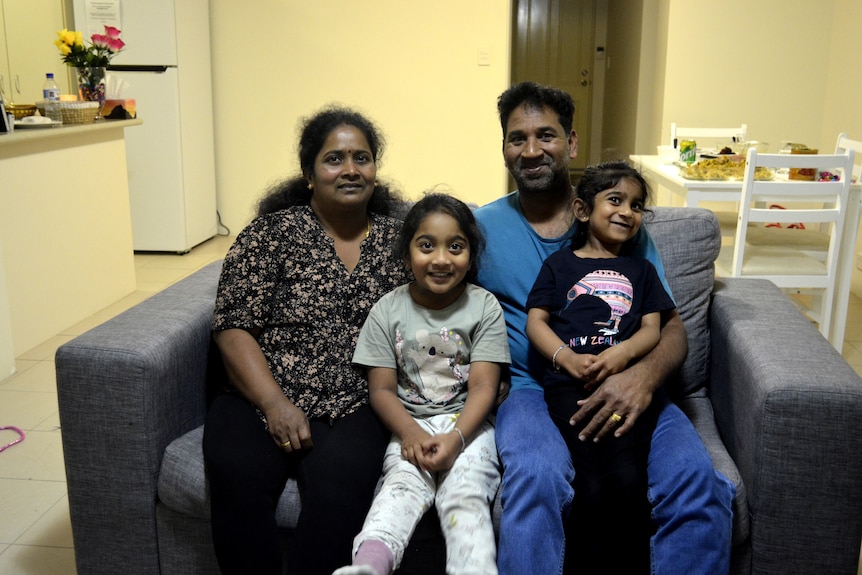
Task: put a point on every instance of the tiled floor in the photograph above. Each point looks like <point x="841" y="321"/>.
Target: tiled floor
<point x="35" y="533"/>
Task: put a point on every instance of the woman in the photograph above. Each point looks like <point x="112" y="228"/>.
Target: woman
<point x="294" y="292"/>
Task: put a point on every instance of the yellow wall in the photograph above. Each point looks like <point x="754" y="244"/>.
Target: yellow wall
<point x="843" y="109"/>
<point x="411" y="67"/>
<point x="787" y="68"/>
<point x="761" y="63"/>
<point x="784" y="67"/>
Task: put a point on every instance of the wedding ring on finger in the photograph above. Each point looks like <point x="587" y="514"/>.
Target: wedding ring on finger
<point x="286" y="443"/>
<point x="616" y="418"/>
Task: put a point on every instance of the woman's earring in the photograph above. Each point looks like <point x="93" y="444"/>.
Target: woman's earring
<point x="310" y="186"/>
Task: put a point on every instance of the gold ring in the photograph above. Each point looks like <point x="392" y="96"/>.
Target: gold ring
<point x="286" y="443"/>
<point x="616" y="418"/>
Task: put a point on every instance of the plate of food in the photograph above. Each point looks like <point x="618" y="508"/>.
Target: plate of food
<point x="725" y="167"/>
<point x="36" y="122"/>
<point x="714" y="153"/>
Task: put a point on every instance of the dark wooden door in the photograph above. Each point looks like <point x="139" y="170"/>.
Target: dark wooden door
<point x="553" y="43"/>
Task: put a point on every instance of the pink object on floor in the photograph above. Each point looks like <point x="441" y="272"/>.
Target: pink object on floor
<point x="20" y="433"/>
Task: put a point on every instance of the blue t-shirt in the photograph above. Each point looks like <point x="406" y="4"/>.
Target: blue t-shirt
<point x="510" y="264"/>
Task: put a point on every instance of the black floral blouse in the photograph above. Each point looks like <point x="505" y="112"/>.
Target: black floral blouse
<point x="282" y="275"/>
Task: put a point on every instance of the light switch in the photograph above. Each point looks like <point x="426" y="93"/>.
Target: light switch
<point x="484" y="57"/>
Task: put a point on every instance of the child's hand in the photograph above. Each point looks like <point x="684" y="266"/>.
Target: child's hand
<point x="578" y="365"/>
<point x="608" y="362"/>
<point x="412" y="446"/>
<point x="440" y="451"/>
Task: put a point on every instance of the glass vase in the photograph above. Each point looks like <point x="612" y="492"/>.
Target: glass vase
<point x="91" y="85"/>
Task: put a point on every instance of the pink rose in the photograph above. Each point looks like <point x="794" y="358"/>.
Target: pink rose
<point x="112" y="32"/>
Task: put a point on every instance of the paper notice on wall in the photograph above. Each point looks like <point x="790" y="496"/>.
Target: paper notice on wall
<point x="101" y="13"/>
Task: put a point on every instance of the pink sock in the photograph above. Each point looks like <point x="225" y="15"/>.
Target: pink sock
<point x="376" y="555"/>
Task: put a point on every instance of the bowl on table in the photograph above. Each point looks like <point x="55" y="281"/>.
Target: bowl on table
<point x="21" y="110"/>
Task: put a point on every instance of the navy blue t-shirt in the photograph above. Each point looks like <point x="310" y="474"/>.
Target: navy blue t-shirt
<point x="595" y="303"/>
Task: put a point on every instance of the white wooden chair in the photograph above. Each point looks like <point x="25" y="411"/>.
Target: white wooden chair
<point x="811" y="239"/>
<point x="821" y="205"/>
<point x="729" y="135"/>
<point x="845" y="143"/>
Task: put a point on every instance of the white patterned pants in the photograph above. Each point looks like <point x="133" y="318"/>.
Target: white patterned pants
<point x="463" y="496"/>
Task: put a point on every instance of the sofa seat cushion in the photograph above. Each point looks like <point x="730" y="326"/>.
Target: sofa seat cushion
<point x="183" y="485"/>
<point x="699" y="411"/>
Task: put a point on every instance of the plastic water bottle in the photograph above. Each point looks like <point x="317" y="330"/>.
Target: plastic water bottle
<point x="51" y="96"/>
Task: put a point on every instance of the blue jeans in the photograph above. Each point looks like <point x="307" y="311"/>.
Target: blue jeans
<point x="691" y="501"/>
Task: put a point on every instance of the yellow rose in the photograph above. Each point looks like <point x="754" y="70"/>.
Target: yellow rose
<point x="70" y="37"/>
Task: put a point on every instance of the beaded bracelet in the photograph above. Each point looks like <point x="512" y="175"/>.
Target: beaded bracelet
<point x="461" y="435"/>
<point x="554" y="357"/>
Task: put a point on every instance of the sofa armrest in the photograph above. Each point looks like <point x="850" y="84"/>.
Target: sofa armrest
<point x="126" y="389"/>
<point x="788" y="408"/>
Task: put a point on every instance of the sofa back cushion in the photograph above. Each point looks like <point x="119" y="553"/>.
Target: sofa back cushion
<point x="688" y="240"/>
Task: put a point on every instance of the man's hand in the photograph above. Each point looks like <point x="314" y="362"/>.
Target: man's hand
<point x="623" y="394"/>
<point x="622" y="397"/>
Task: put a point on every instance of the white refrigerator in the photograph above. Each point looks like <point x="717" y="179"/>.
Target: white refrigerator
<point x="170" y="157"/>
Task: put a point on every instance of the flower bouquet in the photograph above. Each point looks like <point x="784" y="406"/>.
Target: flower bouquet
<point x="90" y="61"/>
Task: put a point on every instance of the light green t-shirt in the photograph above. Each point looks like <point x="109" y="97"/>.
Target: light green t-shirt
<point x="432" y="349"/>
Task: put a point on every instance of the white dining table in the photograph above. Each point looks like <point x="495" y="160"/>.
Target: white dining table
<point x="693" y="192"/>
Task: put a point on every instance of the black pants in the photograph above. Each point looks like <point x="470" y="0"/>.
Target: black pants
<point x="610" y="524"/>
<point x="247" y="473"/>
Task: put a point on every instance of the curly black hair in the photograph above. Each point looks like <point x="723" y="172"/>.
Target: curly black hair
<point x="535" y="97"/>
<point x="313" y="133"/>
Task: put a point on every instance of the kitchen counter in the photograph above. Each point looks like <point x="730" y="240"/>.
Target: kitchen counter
<point x="21" y="135"/>
<point x="65" y="228"/>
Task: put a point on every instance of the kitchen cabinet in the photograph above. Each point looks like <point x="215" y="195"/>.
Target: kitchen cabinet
<point x="65" y="229"/>
<point x="27" y="50"/>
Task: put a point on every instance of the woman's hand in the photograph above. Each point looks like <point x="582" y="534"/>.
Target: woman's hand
<point x="288" y="426"/>
<point x="249" y="372"/>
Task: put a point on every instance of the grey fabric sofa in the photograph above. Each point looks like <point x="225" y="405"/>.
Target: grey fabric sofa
<point x="778" y="408"/>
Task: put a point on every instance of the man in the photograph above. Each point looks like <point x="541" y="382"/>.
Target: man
<point x="691" y="502"/>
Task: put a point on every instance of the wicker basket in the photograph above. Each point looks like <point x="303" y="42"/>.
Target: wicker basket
<point x="79" y="112"/>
